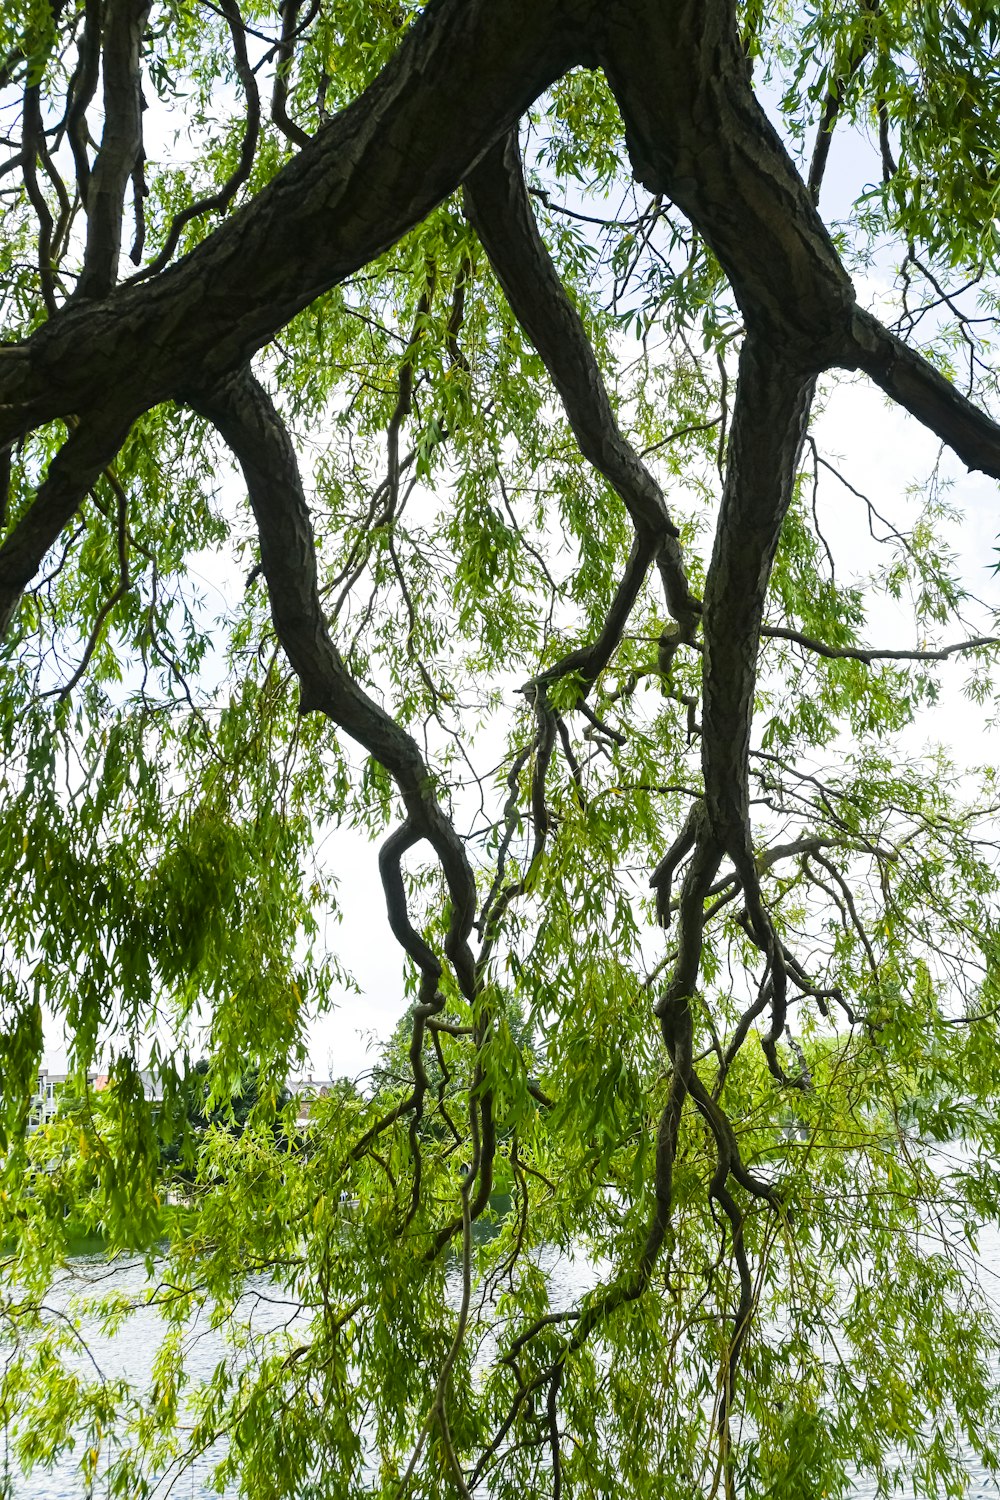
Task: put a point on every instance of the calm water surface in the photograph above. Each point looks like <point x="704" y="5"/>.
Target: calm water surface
<point x="130" y="1353"/>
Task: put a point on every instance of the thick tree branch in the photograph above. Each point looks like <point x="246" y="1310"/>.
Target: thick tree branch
<point x="915" y="384"/>
<point x="498" y="205"/>
<point x="121" y="145"/>
<point x="696" y="134"/>
<point x="87" y="451"/>
<point x="769" y="424"/>
<point x="771" y="409"/>
<point x="249" y="423"/>
<point x="463" y="74"/>
<point x="461" y="77"/>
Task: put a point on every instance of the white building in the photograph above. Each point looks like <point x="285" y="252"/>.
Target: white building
<point x="45" y="1099"/>
<point x="306" y="1091"/>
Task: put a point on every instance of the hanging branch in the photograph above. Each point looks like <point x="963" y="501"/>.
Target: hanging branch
<point x="285" y="54"/>
<point x="499" y="208"/>
<point x="121" y="145"/>
<point x="248" y="421"/>
<point x="835" y="95"/>
<point x="218" y="201"/>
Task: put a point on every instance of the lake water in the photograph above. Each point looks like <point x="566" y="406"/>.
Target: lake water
<point x="129" y="1354"/>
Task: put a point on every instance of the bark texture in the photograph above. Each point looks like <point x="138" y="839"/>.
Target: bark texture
<point x="769" y="422"/>
<point x="463" y="75"/>
<point x="121" y="145"/>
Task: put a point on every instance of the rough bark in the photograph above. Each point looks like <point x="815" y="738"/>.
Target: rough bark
<point x="463" y="75"/>
<point x="245" y="416"/>
<point x="499" y="209"/>
<point x="769" y="420"/>
<point x="461" y="78"/>
<point x="921" y="390"/>
<point x="696" y="133"/>
<point x="121" y="145"/>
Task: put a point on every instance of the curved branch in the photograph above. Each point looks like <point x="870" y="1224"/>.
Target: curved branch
<point x="121" y="145"/>
<point x="248" y="421"/>
<point x="87" y="451"/>
<point x="922" y="391"/>
<point x="869" y="654"/>
<point x="32" y="146"/>
<point x="697" y="134"/>
<point x="769" y="420"/>
<point x="589" y="661"/>
<point x="83" y="87"/>
<point x="499" y="208"/>
<point x="279" y="98"/>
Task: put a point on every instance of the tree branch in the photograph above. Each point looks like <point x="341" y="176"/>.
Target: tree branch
<point x="915" y="384"/>
<point x="589" y="661"/>
<point x="87" y="451"/>
<point x="250" y="424"/>
<point x="462" y="75"/>
<point x="121" y="145"/>
<point x="279" y="98"/>
<point x="769" y="420"/>
<point x="869" y="654"/>
<point x="82" y="90"/>
<point x="499" y="208"/>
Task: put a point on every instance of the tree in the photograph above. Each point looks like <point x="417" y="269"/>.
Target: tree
<point x="242" y="1098"/>
<point x="513" y="318"/>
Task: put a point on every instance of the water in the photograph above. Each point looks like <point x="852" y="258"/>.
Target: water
<point x="129" y="1354"/>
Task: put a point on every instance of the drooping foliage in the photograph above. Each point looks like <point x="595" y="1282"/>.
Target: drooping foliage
<point x="412" y="422"/>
